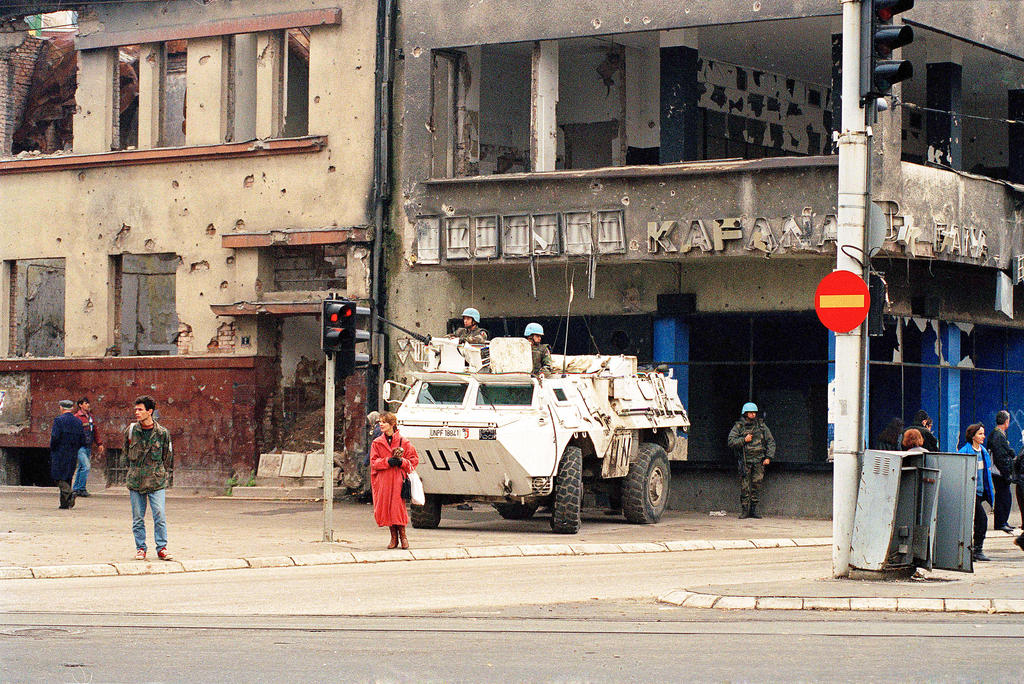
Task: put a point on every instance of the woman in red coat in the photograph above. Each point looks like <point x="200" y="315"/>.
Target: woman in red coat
<point x="392" y="457"/>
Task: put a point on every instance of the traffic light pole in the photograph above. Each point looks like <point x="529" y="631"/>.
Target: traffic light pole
<point x="329" y="449"/>
<point x="846" y="407"/>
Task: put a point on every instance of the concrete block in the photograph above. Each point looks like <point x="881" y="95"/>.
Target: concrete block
<point x="813" y="541"/>
<point x="821" y="603"/>
<point x="1008" y="605"/>
<point x="382" y="556"/>
<point x="148" y="568"/>
<point x="439" y="554"/>
<point x="642" y="547"/>
<point x="270" y="562"/>
<point x="55" y="571"/>
<point x="689" y="545"/>
<point x="493" y="551"/>
<point x="206" y="564"/>
<point x="701" y="600"/>
<point x="968" y="605"/>
<point x="919" y="605"/>
<point x="269" y="466"/>
<point x="13" y="572"/>
<point x="676" y="598"/>
<point x="780" y="603"/>
<point x="592" y="549"/>
<point x="292" y="464"/>
<point x="736" y="603"/>
<point x="720" y="544"/>
<point x="772" y="543"/>
<point x="546" y="550"/>
<point x="314" y="465"/>
<point x="873" y="603"/>
<point x="324" y="558"/>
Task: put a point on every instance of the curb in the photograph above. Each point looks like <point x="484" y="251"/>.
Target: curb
<point x="346" y="557"/>
<point x="690" y="599"/>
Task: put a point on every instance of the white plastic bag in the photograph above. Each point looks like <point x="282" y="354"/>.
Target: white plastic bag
<point x="416" y="486"/>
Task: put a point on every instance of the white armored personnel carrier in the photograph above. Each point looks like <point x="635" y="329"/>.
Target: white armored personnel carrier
<point x="486" y="430"/>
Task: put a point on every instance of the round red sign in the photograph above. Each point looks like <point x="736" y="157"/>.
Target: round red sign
<point x="841" y="301"/>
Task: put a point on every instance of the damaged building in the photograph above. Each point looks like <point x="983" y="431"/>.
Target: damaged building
<point x="660" y="179"/>
<point x="179" y="188"/>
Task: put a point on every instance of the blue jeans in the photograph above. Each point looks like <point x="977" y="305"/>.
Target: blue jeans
<point x="156" y="503"/>
<point x="83" y="469"/>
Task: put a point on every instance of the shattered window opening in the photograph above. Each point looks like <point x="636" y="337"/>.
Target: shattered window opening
<point x="148" y="320"/>
<point x="314" y="267"/>
<point x="37" y="307"/>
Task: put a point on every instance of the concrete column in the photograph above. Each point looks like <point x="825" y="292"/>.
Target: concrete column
<point x="95" y="123"/>
<point x="949" y="396"/>
<point x="151" y="95"/>
<point x="944" y="93"/>
<point x="643" y="92"/>
<point x="544" y="101"/>
<point x="1015" y="158"/>
<point x="679" y="94"/>
<point x="269" y="83"/>
<point x="245" y="86"/>
<point x="206" y="112"/>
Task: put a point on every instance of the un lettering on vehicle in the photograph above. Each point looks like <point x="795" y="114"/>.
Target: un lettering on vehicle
<point x="442" y="461"/>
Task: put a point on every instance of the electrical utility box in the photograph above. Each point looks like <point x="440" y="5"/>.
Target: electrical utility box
<point x="914" y="510"/>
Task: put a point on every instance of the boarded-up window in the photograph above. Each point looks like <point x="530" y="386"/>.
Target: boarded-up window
<point x="149" y="319"/>
<point x="37" y="307"/>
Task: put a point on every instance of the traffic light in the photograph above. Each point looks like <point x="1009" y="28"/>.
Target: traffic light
<point x="342" y="332"/>
<point x="879" y="37"/>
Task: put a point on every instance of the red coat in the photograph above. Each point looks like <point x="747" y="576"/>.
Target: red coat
<point x="386" y="481"/>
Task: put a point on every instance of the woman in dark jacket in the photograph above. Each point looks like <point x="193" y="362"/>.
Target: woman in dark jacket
<point x="392" y="458"/>
<point x="889" y="438"/>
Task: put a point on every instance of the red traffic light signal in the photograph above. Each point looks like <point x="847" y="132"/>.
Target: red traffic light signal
<point x="879" y="38"/>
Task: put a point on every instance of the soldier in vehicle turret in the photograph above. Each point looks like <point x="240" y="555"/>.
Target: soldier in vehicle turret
<point x="471" y="331"/>
<point x="543" y="365"/>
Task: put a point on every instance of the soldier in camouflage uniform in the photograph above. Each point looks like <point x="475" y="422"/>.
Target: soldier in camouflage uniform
<point x="471" y="331"/>
<point x="754" y="445"/>
<point x="147" y="446"/>
<point x="543" y="365"/>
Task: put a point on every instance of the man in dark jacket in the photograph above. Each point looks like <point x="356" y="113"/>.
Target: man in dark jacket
<point x="1002" y="472"/>
<point x="754" y="446"/>
<point x="923" y="424"/>
<point x="66" y="438"/>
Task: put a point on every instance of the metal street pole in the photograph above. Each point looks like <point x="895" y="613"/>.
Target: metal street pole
<point x="329" y="448"/>
<point x="846" y="411"/>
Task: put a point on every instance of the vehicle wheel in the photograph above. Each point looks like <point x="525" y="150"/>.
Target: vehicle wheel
<point x="565" y="508"/>
<point x="427" y="516"/>
<point x="645" y="488"/>
<point x="516" y="511"/>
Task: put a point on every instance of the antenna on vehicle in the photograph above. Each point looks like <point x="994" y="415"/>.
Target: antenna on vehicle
<point x="568" y="308"/>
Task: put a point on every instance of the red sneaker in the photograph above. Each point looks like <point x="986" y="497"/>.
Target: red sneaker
<point x="140" y="554"/>
<point x="163" y="554"/>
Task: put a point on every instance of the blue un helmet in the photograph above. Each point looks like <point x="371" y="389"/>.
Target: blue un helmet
<point x="533" y="329"/>
<point x="749" y="407"/>
<point x="472" y="313"/>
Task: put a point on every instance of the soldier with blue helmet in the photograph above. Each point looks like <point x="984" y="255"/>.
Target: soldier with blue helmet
<point x="471" y="331"/>
<point x="754" y="446"/>
<point x="543" y="364"/>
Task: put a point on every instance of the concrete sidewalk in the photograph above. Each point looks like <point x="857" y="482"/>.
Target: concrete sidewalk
<point x="94" y="538"/>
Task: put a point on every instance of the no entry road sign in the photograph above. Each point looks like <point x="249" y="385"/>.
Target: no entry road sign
<point x="841" y="301"/>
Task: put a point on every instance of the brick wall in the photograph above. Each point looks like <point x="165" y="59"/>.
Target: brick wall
<point x="16" y="68"/>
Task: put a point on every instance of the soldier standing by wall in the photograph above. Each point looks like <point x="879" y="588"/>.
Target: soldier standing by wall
<point x="754" y="445"/>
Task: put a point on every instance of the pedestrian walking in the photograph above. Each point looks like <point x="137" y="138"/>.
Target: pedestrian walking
<point x="754" y="446"/>
<point x="1018" y="479"/>
<point x="889" y="438"/>
<point x="975" y="436"/>
<point x="66" y="438"/>
<point x="392" y="458"/>
<point x="147" y="445"/>
<point x="92" y="439"/>
<point x="923" y="424"/>
<point x="913" y="441"/>
<point x="1002" y="473"/>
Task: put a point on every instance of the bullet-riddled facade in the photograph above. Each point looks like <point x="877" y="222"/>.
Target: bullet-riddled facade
<point x="217" y="183"/>
<point x="662" y="181"/>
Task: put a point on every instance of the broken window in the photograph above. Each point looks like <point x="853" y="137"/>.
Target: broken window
<point x="296" y="109"/>
<point x="146" y="304"/>
<point x="314" y="267"/>
<point x="37" y="307"/>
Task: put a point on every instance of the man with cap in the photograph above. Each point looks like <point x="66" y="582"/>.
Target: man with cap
<point x="66" y="438"/>
<point x="543" y="365"/>
<point x="754" y="446"/>
<point x="471" y="331"/>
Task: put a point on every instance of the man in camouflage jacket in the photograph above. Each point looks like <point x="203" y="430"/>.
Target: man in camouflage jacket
<point x="147" y="447"/>
<point x="754" y="446"/>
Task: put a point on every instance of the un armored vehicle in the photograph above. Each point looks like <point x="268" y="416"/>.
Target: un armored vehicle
<point x="487" y="430"/>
